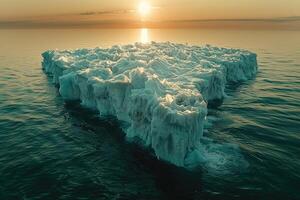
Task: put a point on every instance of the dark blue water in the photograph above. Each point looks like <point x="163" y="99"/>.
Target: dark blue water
<point x="53" y="150"/>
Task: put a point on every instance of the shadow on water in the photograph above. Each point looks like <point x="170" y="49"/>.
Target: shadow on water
<point x="233" y="88"/>
<point x="171" y="181"/>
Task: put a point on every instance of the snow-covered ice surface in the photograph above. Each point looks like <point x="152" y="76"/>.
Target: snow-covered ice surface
<point x="160" y="89"/>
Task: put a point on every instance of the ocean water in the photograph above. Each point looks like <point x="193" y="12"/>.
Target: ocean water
<point x="53" y="150"/>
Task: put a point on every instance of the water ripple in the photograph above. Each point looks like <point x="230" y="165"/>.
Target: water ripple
<point x="53" y="150"/>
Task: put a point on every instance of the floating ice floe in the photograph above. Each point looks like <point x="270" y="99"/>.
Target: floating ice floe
<point x="160" y="89"/>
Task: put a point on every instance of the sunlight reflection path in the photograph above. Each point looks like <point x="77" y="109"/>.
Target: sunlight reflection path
<point x="144" y="36"/>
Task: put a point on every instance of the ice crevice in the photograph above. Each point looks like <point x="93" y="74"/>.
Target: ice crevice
<point x="160" y="89"/>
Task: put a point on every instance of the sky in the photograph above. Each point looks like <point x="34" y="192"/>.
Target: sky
<point x="163" y="13"/>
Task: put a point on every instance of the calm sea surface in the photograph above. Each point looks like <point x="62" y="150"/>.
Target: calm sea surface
<point x="53" y="150"/>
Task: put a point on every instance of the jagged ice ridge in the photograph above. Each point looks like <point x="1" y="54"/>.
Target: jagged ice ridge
<point x="160" y="89"/>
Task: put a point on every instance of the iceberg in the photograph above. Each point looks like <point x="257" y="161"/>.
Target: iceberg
<point x="161" y="89"/>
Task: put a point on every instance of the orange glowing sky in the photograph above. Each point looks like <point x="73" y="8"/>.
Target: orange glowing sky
<point x="121" y="12"/>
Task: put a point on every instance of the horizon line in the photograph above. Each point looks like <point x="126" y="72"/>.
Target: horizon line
<point x="289" y="22"/>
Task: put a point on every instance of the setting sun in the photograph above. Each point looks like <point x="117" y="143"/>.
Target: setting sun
<point x="144" y="8"/>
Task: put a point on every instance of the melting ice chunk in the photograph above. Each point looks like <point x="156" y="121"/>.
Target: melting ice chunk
<point x="160" y="89"/>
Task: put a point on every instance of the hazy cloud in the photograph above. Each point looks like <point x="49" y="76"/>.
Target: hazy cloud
<point x="109" y="12"/>
<point x="279" y="19"/>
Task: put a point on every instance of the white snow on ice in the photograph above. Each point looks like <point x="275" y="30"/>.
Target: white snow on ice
<point x="160" y="89"/>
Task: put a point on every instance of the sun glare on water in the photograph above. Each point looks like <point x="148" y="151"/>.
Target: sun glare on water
<point x="144" y="36"/>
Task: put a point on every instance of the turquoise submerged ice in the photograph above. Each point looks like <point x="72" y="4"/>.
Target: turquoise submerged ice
<point x="160" y="89"/>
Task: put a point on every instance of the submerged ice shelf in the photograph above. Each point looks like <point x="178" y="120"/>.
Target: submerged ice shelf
<point x="160" y="89"/>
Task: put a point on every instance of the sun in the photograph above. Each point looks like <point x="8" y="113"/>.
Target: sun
<point x="144" y="8"/>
